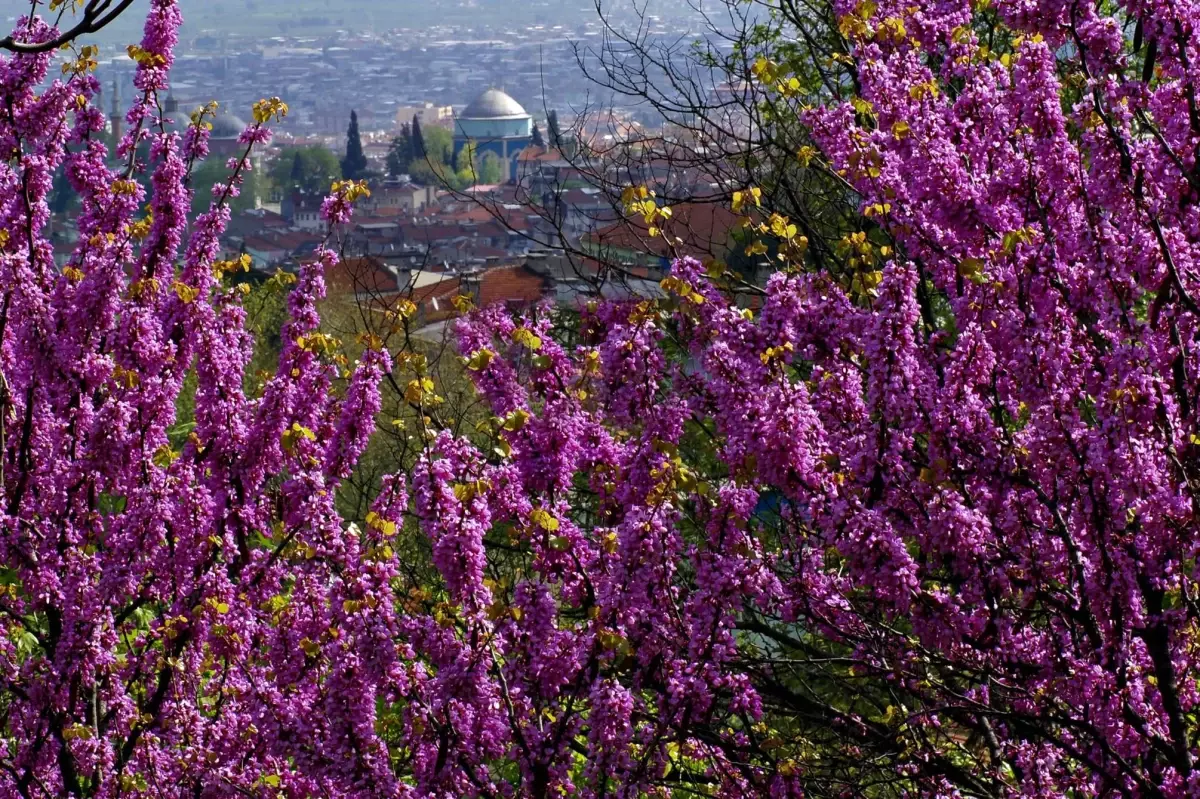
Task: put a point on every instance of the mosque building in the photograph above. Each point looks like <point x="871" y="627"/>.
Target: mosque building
<point x="494" y="123"/>
<point x="222" y="139"/>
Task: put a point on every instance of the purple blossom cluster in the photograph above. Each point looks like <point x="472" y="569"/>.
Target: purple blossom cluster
<point x="184" y="612"/>
<point x="933" y="522"/>
<point x="972" y="466"/>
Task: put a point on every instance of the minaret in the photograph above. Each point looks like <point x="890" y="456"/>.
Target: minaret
<point x="114" y="116"/>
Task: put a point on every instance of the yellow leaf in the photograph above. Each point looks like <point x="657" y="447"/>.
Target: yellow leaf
<point x="516" y="420"/>
<point x="969" y="267"/>
<point x="527" y="337"/>
<point x="271" y="108"/>
<point x="384" y="526"/>
<point x="465" y="492"/>
<point x="480" y="360"/>
<point x="184" y="292"/>
<point x="294" y="434"/>
<point x="417" y="389"/>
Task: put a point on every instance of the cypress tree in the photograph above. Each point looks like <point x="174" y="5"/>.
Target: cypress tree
<point x="355" y="162"/>
<point x="552" y="129"/>
<point x="400" y="155"/>
<point x="418" y="140"/>
<point x="538" y="141"/>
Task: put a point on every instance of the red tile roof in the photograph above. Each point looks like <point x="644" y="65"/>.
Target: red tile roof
<point x="354" y="276"/>
<point x="704" y="229"/>
<point x="532" y="153"/>
<point x="513" y="285"/>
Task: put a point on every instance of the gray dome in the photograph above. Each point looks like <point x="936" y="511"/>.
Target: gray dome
<point x="224" y="126"/>
<point x="227" y="126"/>
<point x="177" y="121"/>
<point x="493" y="104"/>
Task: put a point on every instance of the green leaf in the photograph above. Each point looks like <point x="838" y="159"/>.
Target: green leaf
<point x="109" y="504"/>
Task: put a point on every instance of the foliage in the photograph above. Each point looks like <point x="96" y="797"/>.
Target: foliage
<point x="492" y="169"/>
<point x="438" y="145"/>
<point x="167" y="588"/>
<point x="210" y="174"/>
<point x="732" y="103"/>
<point x="920" y="521"/>
<point x="471" y="169"/>
<point x="310" y="170"/>
<point x="436" y="166"/>
<point x="419" y="148"/>
<point x="555" y="135"/>
<point x="354" y="163"/>
<point x="401" y="153"/>
<point x="466" y="160"/>
<point x="939" y="537"/>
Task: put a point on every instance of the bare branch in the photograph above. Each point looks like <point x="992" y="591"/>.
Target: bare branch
<point x="96" y="15"/>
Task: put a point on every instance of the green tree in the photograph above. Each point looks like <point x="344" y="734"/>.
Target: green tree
<point x="213" y="171"/>
<point x="466" y="165"/>
<point x="491" y="169"/>
<point x="438" y="145"/>
<point x="418" y="140"/>
<point x="400" y="154"/>
<point x="437" y="165"/>
<point x="434" y="173"/>
<point x="538" y="141"/>
<point x="552" y="129"/>
<point x="354" y="165"/>
<point x="307" y="169"/>
<point x="465" y="159"/>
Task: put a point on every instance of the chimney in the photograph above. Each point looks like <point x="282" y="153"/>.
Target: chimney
<point x="470" y="286"/>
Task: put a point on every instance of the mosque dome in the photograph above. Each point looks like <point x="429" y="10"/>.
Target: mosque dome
<point x="227" y="126"/>
<point x="493" y="104"/>
<point x="177" y="121"/>
<point x="492" y="116"/>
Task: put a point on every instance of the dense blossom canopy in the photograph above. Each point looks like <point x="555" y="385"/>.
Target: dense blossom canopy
<point x="924" y="529"/>
<point x="166" y="589"/>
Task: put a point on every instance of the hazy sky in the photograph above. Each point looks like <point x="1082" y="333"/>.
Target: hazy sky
<point x="276" y="17"/>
